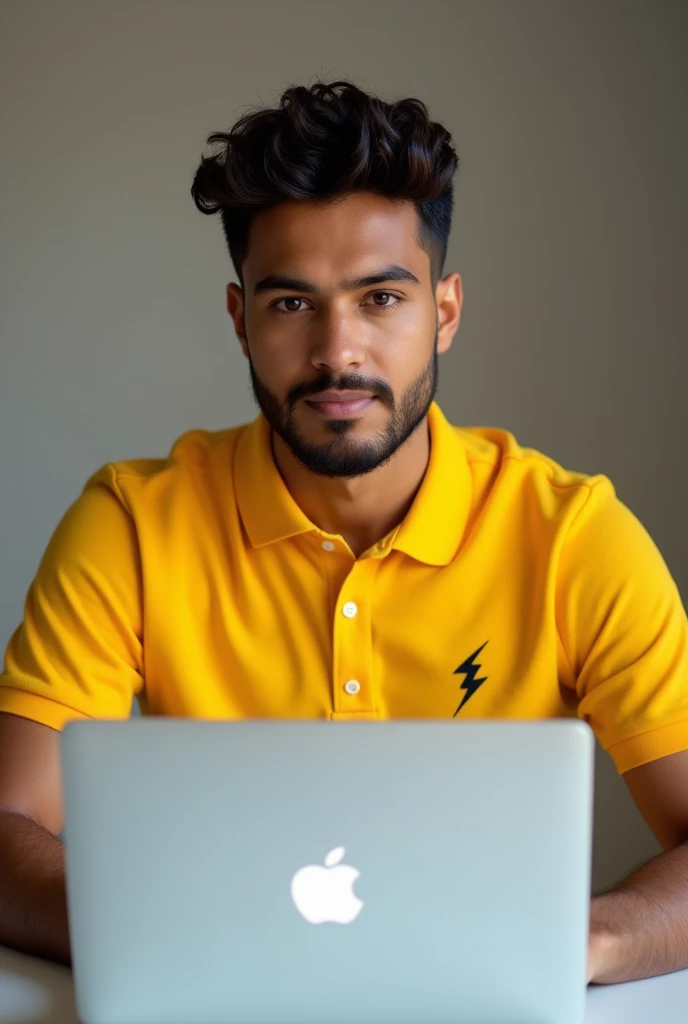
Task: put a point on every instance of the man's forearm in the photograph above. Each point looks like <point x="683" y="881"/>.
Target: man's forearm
<point x="33" y="905"/>
<point x="640" y="929"/>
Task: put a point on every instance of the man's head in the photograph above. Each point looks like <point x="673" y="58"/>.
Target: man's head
<point x="336" y="207"/>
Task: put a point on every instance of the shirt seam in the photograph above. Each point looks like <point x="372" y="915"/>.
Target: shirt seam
<point x="127" y="508"/>
<point x="41" y="698"/>
<point x="116" y="477"/>
<point x="647" y="732"/>
<point x="590" y="487"/>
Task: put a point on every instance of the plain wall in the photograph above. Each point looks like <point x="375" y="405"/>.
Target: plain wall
<point x="569" y="233"/>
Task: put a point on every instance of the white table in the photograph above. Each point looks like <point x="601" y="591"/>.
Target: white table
<point x="34" y="991"/>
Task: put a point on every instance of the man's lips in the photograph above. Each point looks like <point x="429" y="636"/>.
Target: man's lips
<point x="342" y="407"/>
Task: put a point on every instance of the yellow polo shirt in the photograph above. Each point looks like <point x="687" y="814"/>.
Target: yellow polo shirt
<point x="512" y="589"/>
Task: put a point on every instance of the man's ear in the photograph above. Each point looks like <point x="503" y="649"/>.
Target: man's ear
<point x="449" y="300"/>
<point x="235" y="308"/>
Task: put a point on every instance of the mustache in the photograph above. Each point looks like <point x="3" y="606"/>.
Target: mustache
<point x="342" y="382"/>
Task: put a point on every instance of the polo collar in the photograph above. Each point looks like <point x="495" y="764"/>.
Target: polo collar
<point x="267" y="509"/>
<point x="434" y="525"/>
<point x="431" y="531"/>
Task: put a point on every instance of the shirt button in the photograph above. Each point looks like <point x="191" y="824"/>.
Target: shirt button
<point x="350" y="609"/>
<point x="352" y="687"/>
<point x="328" y="545"/>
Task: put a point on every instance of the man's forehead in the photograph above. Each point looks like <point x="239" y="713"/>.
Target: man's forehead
<point x="337" y="242"/>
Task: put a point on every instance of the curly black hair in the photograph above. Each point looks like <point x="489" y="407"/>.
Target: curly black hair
<point x="323" y="142"/>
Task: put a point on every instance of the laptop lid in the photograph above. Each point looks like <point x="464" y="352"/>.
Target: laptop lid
<point x="323" y="873"/>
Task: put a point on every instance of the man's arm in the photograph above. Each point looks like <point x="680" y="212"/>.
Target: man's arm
<point x="33" y="905"/>
<point x="640" y="928"/>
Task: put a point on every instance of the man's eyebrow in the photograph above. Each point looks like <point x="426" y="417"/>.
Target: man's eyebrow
<point x="278" y="282"/>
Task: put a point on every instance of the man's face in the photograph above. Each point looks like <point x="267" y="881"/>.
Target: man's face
<point x="343" y="368"/>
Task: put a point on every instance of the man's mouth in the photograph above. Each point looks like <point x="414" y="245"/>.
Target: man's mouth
<point x="340" y="404"/>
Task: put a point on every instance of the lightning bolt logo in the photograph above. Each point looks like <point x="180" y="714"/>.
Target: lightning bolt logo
<point x="470" y="683"/>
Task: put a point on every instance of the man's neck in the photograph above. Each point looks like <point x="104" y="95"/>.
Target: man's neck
<point x="361" y="509"/>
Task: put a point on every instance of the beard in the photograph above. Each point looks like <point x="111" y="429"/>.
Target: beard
<point x="345" y="455"/>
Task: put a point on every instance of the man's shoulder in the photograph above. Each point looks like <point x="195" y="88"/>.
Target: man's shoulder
<point x="192" y="458"/>
<point x="510" y="476"/>
<point x="497" y="449"/>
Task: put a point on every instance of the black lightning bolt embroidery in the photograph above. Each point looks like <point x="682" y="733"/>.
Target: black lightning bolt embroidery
<point x="470" y="683"/>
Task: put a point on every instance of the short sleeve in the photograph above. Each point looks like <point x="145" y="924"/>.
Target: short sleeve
<point x="625" y="632"/>
<point x="78" y="651"/>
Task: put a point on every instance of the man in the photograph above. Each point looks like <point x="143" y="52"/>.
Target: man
<point x="349" y="555"/>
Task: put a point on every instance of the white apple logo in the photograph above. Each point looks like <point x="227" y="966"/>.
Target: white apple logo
<point x="326" y="893"/>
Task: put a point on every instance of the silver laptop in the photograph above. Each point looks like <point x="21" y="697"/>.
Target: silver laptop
<point x="291" y="872"/>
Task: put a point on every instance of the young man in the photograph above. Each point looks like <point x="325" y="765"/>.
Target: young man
<point x="349" y="555"/>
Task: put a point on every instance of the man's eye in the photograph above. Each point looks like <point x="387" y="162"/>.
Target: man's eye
<point x="289" y="298"/>
<point x="395" y="300"/>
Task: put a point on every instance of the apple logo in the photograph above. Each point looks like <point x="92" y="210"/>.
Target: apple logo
<point x="326" y="893"/>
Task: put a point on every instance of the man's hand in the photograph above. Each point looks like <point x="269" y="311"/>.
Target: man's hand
<point x="602" y="951"/>
<point x="639" y="929"/>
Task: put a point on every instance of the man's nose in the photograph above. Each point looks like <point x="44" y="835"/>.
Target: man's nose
<point x="338" y="343"/>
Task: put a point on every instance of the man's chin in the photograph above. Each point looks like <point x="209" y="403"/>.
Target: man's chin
<point x="317" y="431"/>
<point x="340" y="457"/>
<point x="330" y="431"/>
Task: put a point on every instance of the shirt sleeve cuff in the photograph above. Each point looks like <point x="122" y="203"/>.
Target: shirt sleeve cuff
<point x="37" y="708"/>
<point x="648" y="746"/>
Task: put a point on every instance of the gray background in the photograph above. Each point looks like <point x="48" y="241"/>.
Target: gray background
<point x="570" y="234"/>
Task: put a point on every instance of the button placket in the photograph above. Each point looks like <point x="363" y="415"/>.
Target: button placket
<point x="352" y="642"/>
